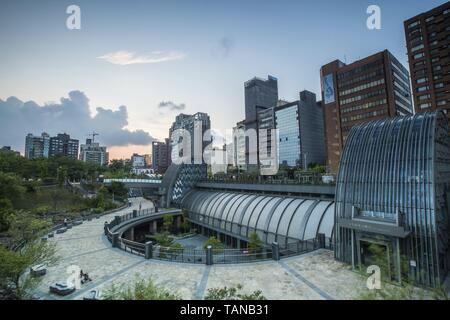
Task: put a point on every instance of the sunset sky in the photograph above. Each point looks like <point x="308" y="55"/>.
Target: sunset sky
<point x="134" y="65"/>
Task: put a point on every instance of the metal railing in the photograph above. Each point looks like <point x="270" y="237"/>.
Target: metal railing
<point x="199" y="256"/>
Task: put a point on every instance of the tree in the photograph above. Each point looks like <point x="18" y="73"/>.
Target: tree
<point x="15" y="282"/>
<point x="254" y="243"/>
<point x="6" y="214"/>
<point x="118" y="189"/>
<point x="167" y="221"/>
<point x="141" y="289"/>
<point x="10" y="187"/>
<point x="214" y="243"/>
<point x="232" y="293"/>
<point x="24" y="226"/>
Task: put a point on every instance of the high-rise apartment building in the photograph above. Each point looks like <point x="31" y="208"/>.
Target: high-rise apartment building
<point x="160" y="156"/>
<point x="428" y="43"/>
<point x="94" y="153"/>
<point x="372" y="88"/>
<point x="37" y="146"/>
<point x="63" y="145"/>
<point x="196" y="125"/>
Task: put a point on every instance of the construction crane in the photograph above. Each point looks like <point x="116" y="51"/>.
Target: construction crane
<point x="93" y="134"/>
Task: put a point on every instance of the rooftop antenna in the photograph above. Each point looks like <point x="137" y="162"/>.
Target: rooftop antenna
<point x="93" y="134"/>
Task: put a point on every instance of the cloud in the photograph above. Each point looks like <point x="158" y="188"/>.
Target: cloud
<point x="224" y="48"/>
<point x="171" y="106"/>
<point x="126" y="57"/>
<point x="72" y="116"/>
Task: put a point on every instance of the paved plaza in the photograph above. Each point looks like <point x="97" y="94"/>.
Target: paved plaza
<point x="311" y="276"/>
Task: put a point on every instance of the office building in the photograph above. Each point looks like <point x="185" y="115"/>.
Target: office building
<point x="428" y="40"/>
<point x="63" y="145"/>
<point x="137" y="161"/>
<point x="238" y="146"/>
<point x="94" y="153"/>
<point x="259" y="94"/>
<point x="393" y="197"/>
<point x="372" y="88"/>
<point x="160" y="156"/>
<point x="300" y="128"/>
<point x="196" y="125"/>
<point x="37" y="146"/>
<point x="301" y="137"/>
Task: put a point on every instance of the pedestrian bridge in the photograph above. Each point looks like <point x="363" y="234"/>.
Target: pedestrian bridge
<point x="136" y="183"/>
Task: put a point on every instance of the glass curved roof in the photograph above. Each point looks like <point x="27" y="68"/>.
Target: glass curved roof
<point x="273" y="218"/>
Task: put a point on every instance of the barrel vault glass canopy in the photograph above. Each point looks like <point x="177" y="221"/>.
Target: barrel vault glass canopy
<point x="273" y="218"/>
<point x="395" y="176"/>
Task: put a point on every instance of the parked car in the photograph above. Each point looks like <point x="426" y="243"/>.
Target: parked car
<point x="62" y="289"/>
<point x="92" y="295"/>
<point x="38" y="270"/>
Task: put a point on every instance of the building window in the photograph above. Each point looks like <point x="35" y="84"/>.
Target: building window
<point x="437" y="68"/>
<point x="442" y="103"/>
<point x="416" y="48"/>
<point x="447" y="11"/>
<point x="435" y="42"/>
<point x="425" y="105"/>
<point x="424" y="97"/>
<point x="429" y="19"/>
<point x="422" y="80"/>
<point x="415" y="23"/>
<point x="422" y="89"/>
<point x="439" y="85"/>
<point x="419" y="55"/>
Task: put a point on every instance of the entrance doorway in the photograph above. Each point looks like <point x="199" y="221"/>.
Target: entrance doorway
<point x="376" y="253"/>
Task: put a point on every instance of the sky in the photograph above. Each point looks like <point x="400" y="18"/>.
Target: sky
<point x="134" y="65"/>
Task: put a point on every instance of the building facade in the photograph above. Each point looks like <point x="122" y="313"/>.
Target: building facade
<point x="94" y="153"/>
<point x="37" y="146"/>
<point x="196" y="125"/>
<point x="259" y="94"/>
<point x="428" y="40"/>
<point x="373" y="88"/>
<point x="137" y="161"/>
<point x="238" y="146"/>
<point x="63" y="145"/>
<point x="160" y="156"/>
<point x="301" y="135"/>
<point x="393" y="195"/>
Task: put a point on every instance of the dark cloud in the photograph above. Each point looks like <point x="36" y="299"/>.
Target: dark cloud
<point x="171" y="106"/>
<point x="72" y="116"/>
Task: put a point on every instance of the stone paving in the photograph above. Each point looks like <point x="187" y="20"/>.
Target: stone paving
<point x="311" y="276"/>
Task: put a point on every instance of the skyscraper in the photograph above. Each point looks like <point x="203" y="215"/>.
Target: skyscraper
<point x="196" y="125"/>
<point x="259" y="94"/>
<point x="37" y="146"/>
<point x="428" y="40"/>
<point x="301" y="137"/>
<point x="372" y="88"/>
<point x="63" y="145"/>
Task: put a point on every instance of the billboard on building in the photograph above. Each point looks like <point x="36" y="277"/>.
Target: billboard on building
<point x="328" y="89"/>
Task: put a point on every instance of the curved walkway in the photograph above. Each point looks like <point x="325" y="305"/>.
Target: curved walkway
<point x="311" y="276"/>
